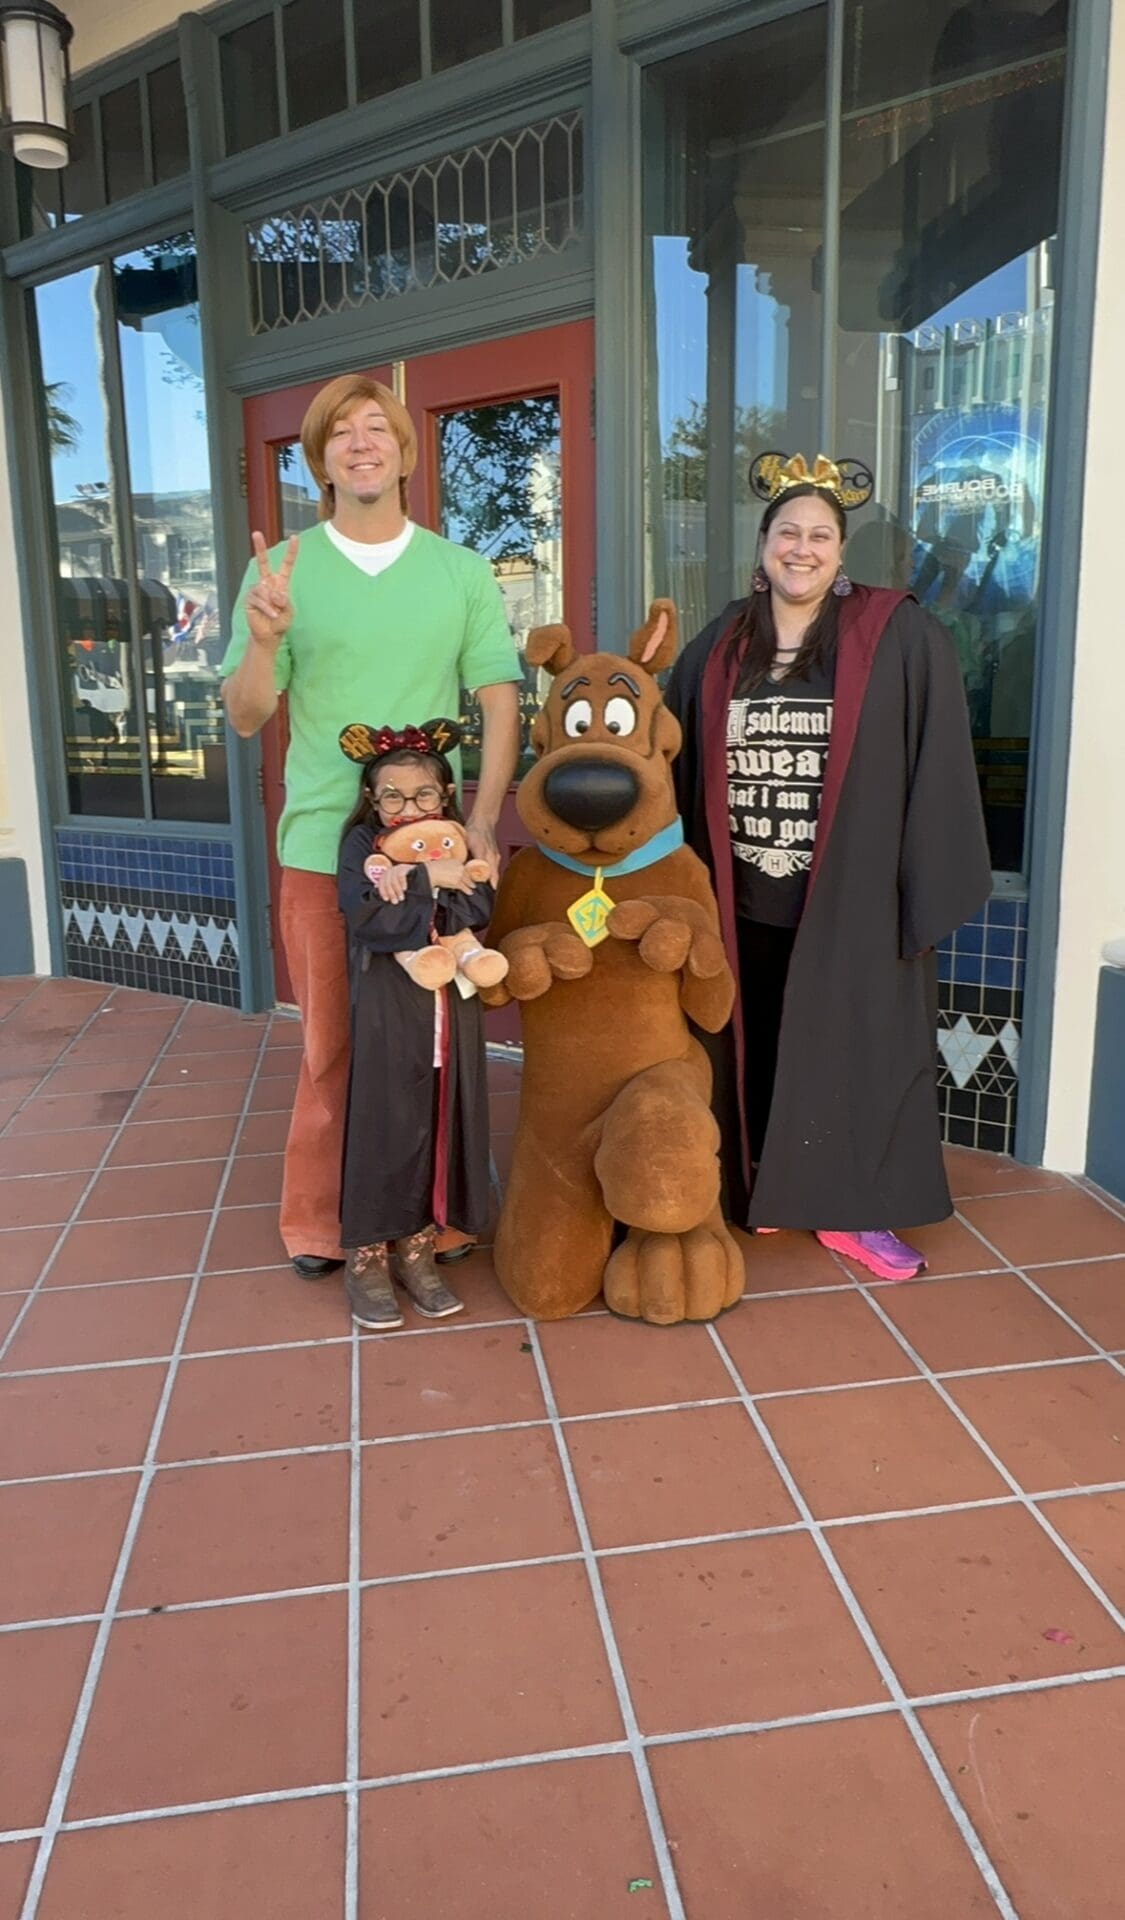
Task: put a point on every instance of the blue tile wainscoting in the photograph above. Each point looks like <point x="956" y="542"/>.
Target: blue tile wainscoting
<point x="980" y="1013"/>
<point x="142" y="910"/>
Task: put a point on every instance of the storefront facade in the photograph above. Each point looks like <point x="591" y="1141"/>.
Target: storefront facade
<point x="608" y="254"/>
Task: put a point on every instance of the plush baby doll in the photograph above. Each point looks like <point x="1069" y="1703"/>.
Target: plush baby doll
<point x="414" y="843"/>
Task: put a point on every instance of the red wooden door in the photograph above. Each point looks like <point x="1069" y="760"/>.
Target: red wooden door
<point x="506" y="465"/>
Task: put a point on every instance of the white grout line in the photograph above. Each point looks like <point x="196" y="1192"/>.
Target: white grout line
<point x="677" y="1406"/>
<point x="1025" y="1500"/>
<point x="65" y="1227"/>
<point x="889" y="1677"/>
<point x="1025" y="1274"/>
<point x="355" y="1638"/>
<point x="1107" y="1200"/>
<point x="78" y="1034"/>
<point x="663" y="1853"/>
<point x="80" y="1722"/>
<point x="561" y="1755"/>
<point x="414" y="1577"/>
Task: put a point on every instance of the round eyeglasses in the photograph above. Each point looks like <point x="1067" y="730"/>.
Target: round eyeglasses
<point x="426" y="799"/>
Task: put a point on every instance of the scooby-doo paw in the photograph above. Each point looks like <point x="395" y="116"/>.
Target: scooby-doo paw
<point x="537" y="956"/>
<point x="665" y="939"/>
<point x="667" y="1277"/>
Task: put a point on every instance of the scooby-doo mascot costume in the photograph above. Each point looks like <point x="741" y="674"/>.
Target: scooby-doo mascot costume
<point x="611" y="933"/>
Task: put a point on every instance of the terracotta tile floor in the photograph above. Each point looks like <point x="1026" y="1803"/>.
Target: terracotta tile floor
<point x="812" y="1615"/>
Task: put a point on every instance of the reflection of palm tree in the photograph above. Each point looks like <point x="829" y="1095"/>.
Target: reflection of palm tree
<point x="63" y="430"/>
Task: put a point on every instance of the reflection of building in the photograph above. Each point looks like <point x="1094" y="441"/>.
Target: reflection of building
<point x="909" y="280"/>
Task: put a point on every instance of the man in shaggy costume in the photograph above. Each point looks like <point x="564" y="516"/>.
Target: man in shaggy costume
<point x="611" y="933"/>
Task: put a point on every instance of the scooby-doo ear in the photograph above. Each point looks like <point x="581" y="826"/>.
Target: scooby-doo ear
<point x="654" y="646"/>
<point x="359" y="742"/>
<point x="550" y="648"/>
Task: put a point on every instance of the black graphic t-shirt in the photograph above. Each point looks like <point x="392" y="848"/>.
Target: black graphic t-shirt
<point x="777" y="746"/>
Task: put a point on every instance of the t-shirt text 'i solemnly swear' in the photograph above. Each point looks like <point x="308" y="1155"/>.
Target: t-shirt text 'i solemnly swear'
<point x="777" y="746"/>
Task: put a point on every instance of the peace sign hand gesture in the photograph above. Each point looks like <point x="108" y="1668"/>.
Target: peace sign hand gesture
<point x="269" y="610"/>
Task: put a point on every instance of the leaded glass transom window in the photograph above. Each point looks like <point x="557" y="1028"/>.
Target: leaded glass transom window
<point x="488" y="207"/>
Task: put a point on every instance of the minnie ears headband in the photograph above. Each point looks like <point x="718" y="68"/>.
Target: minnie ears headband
<point x="848" y="481"/>
<point x="362" y="743"/>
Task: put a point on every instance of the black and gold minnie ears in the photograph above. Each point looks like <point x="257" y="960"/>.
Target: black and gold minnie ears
<point x="362" y="743"/>
<point x="848" y="481"/>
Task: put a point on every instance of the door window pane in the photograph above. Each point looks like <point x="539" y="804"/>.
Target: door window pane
<point x="169" y="469"/>
<point x="315" y="74"/>
<point x="298" y="496"/>
<point x="950" y="171"/>
<point x="388" y="47"/>
<point x="500" y="476"/>
<point x="460" y="29"/>
<point x="248" y="63"/>
<point x="167" y="114"/>
<point x="121" y="139"/>
<point x="734" y="223"/>
<point x="99" y="696"/>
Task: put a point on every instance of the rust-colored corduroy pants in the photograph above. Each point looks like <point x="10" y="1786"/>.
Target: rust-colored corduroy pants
<point x="316" y="949"/>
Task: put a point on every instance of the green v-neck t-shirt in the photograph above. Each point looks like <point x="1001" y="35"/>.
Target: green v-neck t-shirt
<point x="393" y="649"/>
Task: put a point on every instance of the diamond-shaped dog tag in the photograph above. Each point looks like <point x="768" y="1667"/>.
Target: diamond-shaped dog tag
<point x="588" y="916"/>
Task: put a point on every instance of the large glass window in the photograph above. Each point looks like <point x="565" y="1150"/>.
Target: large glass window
<point x="950" y="155"/>
<point x="126" y="424"/>
<point x="161" y="352"/>
<point x="734" y="136"/>
<point x="950" y="162"/>
<point x="98" y="676"/>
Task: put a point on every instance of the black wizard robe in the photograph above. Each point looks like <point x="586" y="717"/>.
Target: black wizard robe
<point x="900" y="861"/>
<point x="416" y="1142"/>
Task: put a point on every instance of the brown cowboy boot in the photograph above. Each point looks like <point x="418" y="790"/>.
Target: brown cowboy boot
<point x="412" y="1264"/>
<point x="371" y="1295"/>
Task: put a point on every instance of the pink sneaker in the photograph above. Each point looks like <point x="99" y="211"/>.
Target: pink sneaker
<point x="882" y="1253"/>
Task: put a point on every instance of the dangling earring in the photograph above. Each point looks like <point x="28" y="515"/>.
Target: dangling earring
<point x="759" y="580"/>
<point x="841" y="585"/>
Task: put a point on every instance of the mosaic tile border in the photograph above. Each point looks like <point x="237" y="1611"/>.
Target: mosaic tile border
<point x="143" y="911"/>
<point x="981" y="970"/>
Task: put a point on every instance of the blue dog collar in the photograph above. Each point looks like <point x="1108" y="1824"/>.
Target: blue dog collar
<point x="661" y="844"/>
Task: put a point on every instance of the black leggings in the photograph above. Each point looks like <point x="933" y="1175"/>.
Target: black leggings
<point x="763" y="966"/>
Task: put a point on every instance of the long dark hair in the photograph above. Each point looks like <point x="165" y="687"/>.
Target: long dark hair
<point x="753" y="638"/>
<point x="366" y="813"/>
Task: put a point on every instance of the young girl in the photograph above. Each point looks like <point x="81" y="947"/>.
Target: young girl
<point x="416" y="1144"/>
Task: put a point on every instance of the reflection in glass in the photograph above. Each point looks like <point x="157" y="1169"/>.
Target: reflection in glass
<point x="315" y="68"/>
<point x="734" y="223"/>
<point x="500" y="477"/>
<point x="122" y="144"/>
<point x="533" y="16"/>
<point x="248" y="65"/>
<point x="99" y="699"/>
<point x="460" y="29"/>
<point x="166" y="423"/>
<point x="950" y="170"/>
<point x="83" y="189"/>
<point x="388" y="47"/>
<point x="298" y="496"/>
<point x="167" y="114"/>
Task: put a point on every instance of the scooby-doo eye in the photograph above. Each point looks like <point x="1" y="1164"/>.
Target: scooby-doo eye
<point x="417" y="846"/>
<point x="620" y="716"/>
<point x="580" y="717"/>
<point x="448" y="842"/>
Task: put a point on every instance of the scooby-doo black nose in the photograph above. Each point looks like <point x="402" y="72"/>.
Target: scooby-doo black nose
<point x="590" y="794"/>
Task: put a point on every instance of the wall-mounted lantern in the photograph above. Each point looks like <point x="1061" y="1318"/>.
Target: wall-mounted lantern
<point x="34" y="106"/>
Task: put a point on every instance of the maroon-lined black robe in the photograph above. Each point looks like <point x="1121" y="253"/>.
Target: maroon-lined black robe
<point x="416" y="1142"/>
<point x="900" y="861"/>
